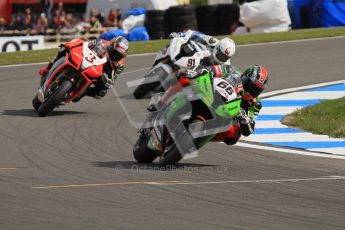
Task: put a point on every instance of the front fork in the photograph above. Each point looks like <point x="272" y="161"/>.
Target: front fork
<point x="42" y="89"/>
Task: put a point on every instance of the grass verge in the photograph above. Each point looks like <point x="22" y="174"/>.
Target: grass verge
<point x="325" y="118"/>
<point x="154" y="46"/>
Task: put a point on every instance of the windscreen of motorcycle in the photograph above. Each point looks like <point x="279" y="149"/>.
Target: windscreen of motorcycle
<point x="90" y="58"/>
<point x="225" y="89"/>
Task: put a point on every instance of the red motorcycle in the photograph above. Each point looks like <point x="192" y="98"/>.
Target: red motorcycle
<point x="69" y="77"/>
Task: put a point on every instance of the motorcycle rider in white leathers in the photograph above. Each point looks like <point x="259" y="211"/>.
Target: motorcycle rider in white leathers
<point x="221" y="51"/>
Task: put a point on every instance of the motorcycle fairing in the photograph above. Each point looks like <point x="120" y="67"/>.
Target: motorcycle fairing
<point x="188" y="62"/>
<point x="92" y="61"/>
<point x="203" y="85"/>
<point x="85" y="62"/>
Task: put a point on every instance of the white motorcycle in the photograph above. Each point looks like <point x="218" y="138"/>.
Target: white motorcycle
<point x="181" y="53"/>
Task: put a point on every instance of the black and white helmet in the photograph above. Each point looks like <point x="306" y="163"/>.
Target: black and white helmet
<point x="223" y="51"/>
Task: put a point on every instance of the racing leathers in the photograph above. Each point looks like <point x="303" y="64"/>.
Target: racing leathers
<point x="206" y="42"/>
<point x="244" y="123"/>
<point x="111" y="70"/>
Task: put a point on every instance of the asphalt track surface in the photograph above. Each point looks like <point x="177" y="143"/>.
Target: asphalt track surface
<point x="86" y="149"/>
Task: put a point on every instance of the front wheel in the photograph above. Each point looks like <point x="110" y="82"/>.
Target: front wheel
<point x="142" y="153"/>
<point x="170" y="157"/>
<point x="145" y="89"/>
<point x="36" y="103"/>
<point x="56" y="98"/>
<point x="153" y="81"/>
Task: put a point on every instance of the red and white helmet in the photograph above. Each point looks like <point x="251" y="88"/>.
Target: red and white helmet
<point x="223" y="51"/>
<point x="117" y="48"/>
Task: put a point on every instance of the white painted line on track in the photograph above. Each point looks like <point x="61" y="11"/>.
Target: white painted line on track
<point x="27" y="64"/>
<point x="289" y="90"/>
<point x="135" y="82"/>
<point x="278" y="110"/>
<point x="292" y="41"/>
<point x="294" y="180"/>
<point x="135" y="71"/>
<point x="187" y="182"/>
<point x="338" y="151"/>
<point x="311" y="95"/>
<point x="309" y="137"/>
<point x="269" y="124"/>
<point x="293" y="151"/>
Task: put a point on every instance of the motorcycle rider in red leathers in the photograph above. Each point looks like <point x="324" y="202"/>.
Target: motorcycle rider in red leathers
<point x="115" y="50"/>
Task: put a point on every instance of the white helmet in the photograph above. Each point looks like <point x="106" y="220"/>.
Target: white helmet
<point x="223" y="51"/>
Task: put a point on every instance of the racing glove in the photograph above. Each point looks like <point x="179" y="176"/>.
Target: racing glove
<point x="93" y="43"/>
<point x="257" y="107"/>
<point x="193" y="73"/>
<point x="187" y="73"/>
<point x="118" y="70"/>
<point x="246" y="124"/>
<point x="212" y="41"/>
<point x="254" y="110"/>
<point x="107" y="80"/>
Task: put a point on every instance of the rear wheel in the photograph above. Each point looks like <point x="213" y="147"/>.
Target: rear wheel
<point x="142" y="153"/>
<point x="56" y="98"/>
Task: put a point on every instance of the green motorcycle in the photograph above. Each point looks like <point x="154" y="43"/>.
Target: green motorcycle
<point x="187" y="121"/>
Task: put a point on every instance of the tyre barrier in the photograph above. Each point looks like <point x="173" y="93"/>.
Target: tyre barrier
<point x="180" y="18"/>
<point x="227" y="16"/>
<point x="208" y="19"/>
<point x="155" y="24"/>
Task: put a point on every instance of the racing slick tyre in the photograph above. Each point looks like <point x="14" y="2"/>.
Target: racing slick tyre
<point x="144" y="89"/>
<point x="207" y="18"/>
<point x="141" y="152"/>
<point x="55" y="99"/>
<point x="155" y="23"/>
<point x="180" y="18"/>
<point x="227" y="15"/>
<point x="157" y="35"/>
<point x="171" y="157"/>
<point x="36" y="103"/>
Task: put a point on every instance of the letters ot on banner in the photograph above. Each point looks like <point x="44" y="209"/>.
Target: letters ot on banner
<point x="21" y="43"/>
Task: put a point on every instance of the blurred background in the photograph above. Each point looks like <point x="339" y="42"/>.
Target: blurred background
<point x="141" y="20"/>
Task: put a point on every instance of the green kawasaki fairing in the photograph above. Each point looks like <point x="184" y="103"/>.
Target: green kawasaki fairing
<point x="205" y="89"/>
<point x="202" y="86"/>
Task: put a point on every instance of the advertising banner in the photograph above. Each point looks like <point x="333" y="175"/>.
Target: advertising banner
<point x="21" y="43"/>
